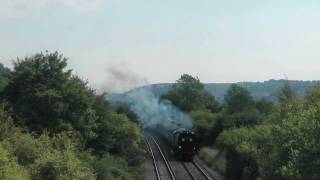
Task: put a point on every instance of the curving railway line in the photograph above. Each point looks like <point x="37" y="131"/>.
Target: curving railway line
<point x="166" y="167"/>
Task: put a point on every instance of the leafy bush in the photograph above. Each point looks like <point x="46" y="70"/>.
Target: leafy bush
<point x="61" y="165"/>
<point x="9" y="167"/>
<point x="112" y="168"/>
<point x="248" y="152"/>
<point x="118" y="135"/>
<point x="214" y="158"/>
<point x="59" y="157"/>
<point x="203" y="123"/>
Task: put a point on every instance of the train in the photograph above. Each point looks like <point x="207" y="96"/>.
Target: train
<point x="183" y="141"/>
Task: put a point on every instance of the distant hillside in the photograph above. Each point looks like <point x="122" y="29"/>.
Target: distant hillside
<point x="267" y="89"/>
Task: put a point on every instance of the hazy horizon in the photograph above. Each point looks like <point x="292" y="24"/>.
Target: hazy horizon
<point x="147" y="42"/>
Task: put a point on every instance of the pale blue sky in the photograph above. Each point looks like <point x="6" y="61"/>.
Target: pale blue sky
<point x="157" y="40"/>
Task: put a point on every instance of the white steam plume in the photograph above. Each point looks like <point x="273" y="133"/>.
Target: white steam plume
<point x="150" y="109"/>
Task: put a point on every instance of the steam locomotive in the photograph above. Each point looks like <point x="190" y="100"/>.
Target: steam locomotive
<point x="183" y="141"/>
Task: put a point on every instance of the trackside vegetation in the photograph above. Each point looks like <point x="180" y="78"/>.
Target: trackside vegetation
<point x="54" y="126"/>
<point x="261" y="140"/>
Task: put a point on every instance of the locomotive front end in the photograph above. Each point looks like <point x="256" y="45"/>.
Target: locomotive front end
<point x="186" y="144"/>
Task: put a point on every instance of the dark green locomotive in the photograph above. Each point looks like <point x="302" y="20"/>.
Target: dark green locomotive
<point x="183" y="141"/>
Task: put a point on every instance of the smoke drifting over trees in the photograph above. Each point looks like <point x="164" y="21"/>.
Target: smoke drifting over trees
<point x="120" y="79"/>
<point x="151" y="110"/>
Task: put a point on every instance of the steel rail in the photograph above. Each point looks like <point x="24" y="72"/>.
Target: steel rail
<point x="188" y="171"/>
<point x="154" y="160"/>
<point x="168" y="165"/>
<point x="201" y="170"/>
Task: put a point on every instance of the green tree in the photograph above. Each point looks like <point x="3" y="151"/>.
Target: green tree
<point x="44" y="95"/>
<point x="238" y="99"/>
<point x="286" y="149"/>
<point x="265" y="107"/>
<point x="297" y="140"/>
<point x="124" y="109"/>
<point x="249" y="152"/>
<point x="286" y="94"/>
<point x="117" y="134"/>
<point x="287" y="99"/>
<point x="189" y="94"/>
<point x="112" y="168"/>
<point x="203" y="123"/>
<point x="312" y="98"/>
<point x="4" y="75"/>
<point x="65" y="130"/>
<point x="240" y="108"/>
<point x="241" y="119"/>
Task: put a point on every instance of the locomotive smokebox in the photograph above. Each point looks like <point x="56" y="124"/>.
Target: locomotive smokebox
<point x="182" y="141"/>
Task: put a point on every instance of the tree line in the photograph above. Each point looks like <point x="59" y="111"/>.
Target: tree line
<point x="261" y="139"/>
<point x="54" y="126"/>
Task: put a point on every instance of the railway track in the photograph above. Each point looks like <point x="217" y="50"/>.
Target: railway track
<point x="156" y="169"/>
<point x="161" y="164"/>
<point x="164" y="170"/>
<point x="195" y="171"/>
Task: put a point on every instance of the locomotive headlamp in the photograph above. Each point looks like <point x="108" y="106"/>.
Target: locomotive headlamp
<point x="179" y="147"/>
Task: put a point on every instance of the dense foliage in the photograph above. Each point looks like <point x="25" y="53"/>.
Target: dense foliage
<point x="53" y="126"/>
<point x="261" y="139"/>
<point x="4" y="75"/>
<point x="189" y="94"/>
<point x="283" y="146"/>
<point x="210" y="117"/>
<point x="259" y="90"/>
